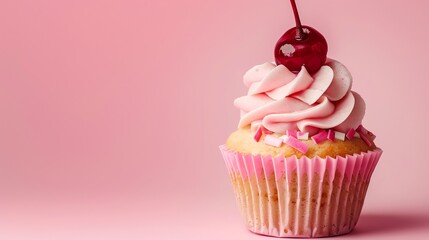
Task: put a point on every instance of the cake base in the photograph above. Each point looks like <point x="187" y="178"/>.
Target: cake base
<point x="242" y="141"/>
<point x="306" y="197"/>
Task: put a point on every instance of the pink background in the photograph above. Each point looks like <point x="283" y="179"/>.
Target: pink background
<point x="111" y="112"/>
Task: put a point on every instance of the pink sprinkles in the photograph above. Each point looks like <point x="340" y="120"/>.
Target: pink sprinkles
<point x="361" y="129"/>
<point x="292" y="133"/>
<point x="365" y="139"/>
<point x="366" y="135"/>
<point x="331" y="135"/>
<point x="371" y="136"/>
<point x="320" y="137"/>
<point x="273" y="141"/>
<point x="351" y="133"/>
<point x="258" y="134"/>
<point x="297" y="144"/>
<point x="266" y="131"/>
<point x="293" y="137"/>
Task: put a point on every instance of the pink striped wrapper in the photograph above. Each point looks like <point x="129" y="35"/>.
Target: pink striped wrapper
<point x="306" y="197"/>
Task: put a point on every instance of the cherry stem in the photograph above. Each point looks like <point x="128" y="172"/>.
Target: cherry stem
<point x="300" y="35"/>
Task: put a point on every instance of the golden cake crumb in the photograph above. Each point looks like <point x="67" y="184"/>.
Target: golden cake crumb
<point x="242" y="141"/>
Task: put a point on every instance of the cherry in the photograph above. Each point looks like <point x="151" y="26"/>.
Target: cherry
<point x="301" y="45"/>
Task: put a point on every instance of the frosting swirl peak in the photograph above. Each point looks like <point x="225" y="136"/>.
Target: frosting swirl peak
<point x="281" y="100"/>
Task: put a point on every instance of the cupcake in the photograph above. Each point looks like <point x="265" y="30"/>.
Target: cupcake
<point x="300" y="161"/>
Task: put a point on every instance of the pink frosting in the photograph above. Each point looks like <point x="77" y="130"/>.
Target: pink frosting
<point x="281" y="100"/>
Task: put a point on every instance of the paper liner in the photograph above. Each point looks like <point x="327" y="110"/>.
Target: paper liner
<point x="306" y="197"/>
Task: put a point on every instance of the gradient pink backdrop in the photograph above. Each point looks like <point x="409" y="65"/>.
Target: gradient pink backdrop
<point x="111" y="112"/>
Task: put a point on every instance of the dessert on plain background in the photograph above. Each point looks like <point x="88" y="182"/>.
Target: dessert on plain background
<point x="300" y="161"/>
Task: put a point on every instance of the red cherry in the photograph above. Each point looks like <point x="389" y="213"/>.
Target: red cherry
<point x="301" y="45"/>
<point x="309" y="51"/>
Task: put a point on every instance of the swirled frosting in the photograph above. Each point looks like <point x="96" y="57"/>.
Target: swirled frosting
<point x="281" y="100"/>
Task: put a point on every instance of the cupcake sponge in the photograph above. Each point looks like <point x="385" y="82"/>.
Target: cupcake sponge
<point x="242" y="141"/>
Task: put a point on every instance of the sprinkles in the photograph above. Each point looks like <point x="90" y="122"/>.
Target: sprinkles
<point x="295" y="139"/>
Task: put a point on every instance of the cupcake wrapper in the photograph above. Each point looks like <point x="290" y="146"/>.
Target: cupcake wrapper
<point x="306" y="197"/>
